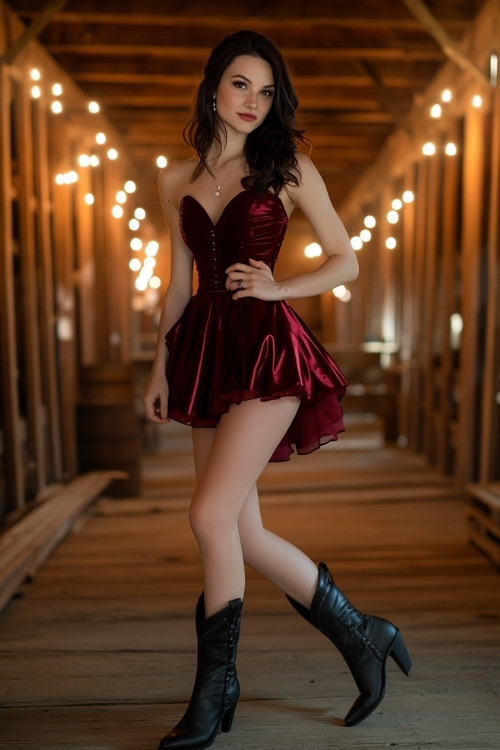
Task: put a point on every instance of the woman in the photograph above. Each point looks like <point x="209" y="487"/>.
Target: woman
<point x="244" y="371"/>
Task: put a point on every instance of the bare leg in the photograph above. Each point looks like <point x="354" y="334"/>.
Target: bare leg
<point x="244" y="440"/>
<point x="274" y="558"/>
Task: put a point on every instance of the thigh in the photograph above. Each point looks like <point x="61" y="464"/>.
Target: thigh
<point x="244" y="440"/>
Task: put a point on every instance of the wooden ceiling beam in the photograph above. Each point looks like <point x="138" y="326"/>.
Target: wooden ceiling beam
<point x="292" y="54"/>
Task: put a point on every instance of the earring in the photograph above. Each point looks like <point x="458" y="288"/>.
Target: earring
<point x="214" y="106"/>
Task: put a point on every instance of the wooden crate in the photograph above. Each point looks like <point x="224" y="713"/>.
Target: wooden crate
<point x="483" y="519"/>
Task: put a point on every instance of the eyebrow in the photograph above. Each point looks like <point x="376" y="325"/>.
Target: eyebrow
<point x="239" y="75"/>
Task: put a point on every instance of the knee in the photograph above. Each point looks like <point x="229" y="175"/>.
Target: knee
<point x="206" y="525"/>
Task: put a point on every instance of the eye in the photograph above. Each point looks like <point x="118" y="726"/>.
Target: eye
<point x="268" y="92"/>
<point x="239" y="84"/>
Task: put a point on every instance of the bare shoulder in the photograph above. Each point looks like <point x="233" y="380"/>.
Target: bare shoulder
<point x="174" y="179"/>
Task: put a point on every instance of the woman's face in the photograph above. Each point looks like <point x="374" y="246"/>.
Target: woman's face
<point x="245" y="93"/>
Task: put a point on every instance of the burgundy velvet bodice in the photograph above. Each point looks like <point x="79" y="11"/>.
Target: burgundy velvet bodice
<point x="249" y="227"/>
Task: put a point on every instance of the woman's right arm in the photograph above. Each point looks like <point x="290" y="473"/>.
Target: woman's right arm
<point x="178" y="294"/>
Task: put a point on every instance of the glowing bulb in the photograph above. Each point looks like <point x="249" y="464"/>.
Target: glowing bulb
<point x="436" y="111"/>
<point x="150" y="262"/>
<point x="365" y="235"/>
<point x="339" y="291"/>
<point x="477" y="101"/>
<point x="313" y="250"/>
<point x="370" y="222"/>
<point x="155" y="282"/>
<point x="112" y="154"/>
<point x="56" y="107"/>
<point x="390" y="243"/>
<point x="152" y="248"/>
<point x="94" y="107"/>
<point x="133" y="225"/>
<point x="130" y="186"/>
<point x="140" y="214"/>
<point x="121" y="196"/>
<point x="141" y="284"/>
<point x="428" y="149"/>
<point x="408" y="196"/>
<point x="450" y="149"/>
<point x="59" y="179"/>
<point x="35" y="74"/>
<point x="397" y="204"/>
<point x="446" y="95"/>
<point x="136" y="244"/>
<point x="36" y="92"/>
<point x="356" y="243"/>
<point x="100" y="138"/>
<point x="57" y="89"/>
<point x="161" y="162"/>
<point x="134" y="264"/>
<point x="393" y="217"/>
<point x="89" y="199"/>
<point x="94" y="161"/>
<point x="117" y="211"/>
<point x="84" y="160"/>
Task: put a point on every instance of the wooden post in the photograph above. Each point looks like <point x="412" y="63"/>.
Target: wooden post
<point x="14" y="474"/>
<point x="468" y="436"/>
<point x="490" y="407"/>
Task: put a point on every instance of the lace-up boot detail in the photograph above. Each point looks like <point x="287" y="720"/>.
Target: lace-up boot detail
<point x="216" y="689"/>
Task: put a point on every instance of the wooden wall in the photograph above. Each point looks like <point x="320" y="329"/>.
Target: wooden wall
<point x="444" y="269"/>
<point x="64" y="279"/>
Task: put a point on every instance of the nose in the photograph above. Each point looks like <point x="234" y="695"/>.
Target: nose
<point x="251" y="100"/>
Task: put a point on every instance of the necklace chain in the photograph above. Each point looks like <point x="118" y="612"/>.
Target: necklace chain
<point x="218" y="188"/>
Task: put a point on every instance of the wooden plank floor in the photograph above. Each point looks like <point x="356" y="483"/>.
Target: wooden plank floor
<point x="97" y="653"/>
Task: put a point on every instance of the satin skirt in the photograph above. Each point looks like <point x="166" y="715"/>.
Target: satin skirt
<point x="224" y="351"/>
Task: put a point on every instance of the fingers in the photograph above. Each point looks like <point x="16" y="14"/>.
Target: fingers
<point x="155" y="410"/>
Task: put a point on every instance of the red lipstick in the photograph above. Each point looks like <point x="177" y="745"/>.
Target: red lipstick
<point x="247" y="116"/>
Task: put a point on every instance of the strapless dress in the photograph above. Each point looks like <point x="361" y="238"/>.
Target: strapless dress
<point x="224" y="351"/>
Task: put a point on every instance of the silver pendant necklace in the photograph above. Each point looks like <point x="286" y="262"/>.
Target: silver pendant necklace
<point x="218" y="188"/>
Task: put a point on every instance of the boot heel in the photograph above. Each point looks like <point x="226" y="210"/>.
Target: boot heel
<point x="400" y="654"/>
<point x="227" y="719"/>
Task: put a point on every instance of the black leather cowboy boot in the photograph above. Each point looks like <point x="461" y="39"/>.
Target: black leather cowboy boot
<point x="364" y="641"/>
<point x="216" y="689"/>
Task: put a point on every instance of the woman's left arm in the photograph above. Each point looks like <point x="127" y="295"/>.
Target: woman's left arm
<point x="340" y="266"/>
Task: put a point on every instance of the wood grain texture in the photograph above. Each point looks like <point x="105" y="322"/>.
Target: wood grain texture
<point x="99" y="650"/>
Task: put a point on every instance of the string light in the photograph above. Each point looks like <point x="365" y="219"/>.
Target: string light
<point x="152" y="248"/>
<point x="477" y="101"/>
<point x="94" y="161"/>
<point x="140" y="214"/>
<point x="446" y="95"/>
<point x="117" y="211"/>
<point x="161" y="161"/>
<point x="56" y="107"/>
<point x="365" y="235"/>
<point x="84" y="160"/>
<point x="356" y="243"/>
<point x="36" y="92"/>
<point x="313" y="250"/>
<point x="370" y="222"/>
<point x="428" y="149"/>
<point x="94" y="108"/>
<point x="342" y="293"/>
<point x="100" y="138"/>
<point x="150" y="262"/>
<point x="136" y="244"/>
<point x="450" y="149"/>
<point x="397" y="204"/>
<point x="436" y="111"/>
<point x="393" y="217"/>
<point x="121" y="196"/>
<point x="134" y="264"/>
<point x="130" y="186"/>
<point x="35" y="74"/>
<point x="155" y="282"/>
<point x="112" y="154"/>
<point x="89" y="199"/>
<point x="134" y="225"/>
<point x="408" y="196"/>
<point x="390" y="243"/>
<point x="57" y="89"/>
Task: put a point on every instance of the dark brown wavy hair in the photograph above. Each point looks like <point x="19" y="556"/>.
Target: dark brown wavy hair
<point x="270" y="150"/>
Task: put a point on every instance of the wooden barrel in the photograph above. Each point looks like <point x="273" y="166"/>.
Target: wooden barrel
<point x="108" y="425"/>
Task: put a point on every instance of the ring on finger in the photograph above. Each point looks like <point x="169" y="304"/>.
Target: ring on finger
<point x="240" y="283"/>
